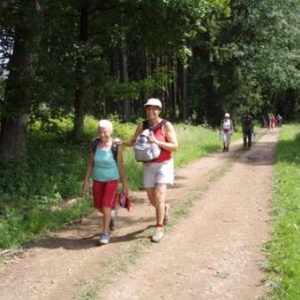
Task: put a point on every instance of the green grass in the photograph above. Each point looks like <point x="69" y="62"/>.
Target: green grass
<point x="18" y="227"/>
<point x="283" y="249"/>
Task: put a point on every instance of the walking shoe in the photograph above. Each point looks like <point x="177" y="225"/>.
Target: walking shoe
<point x="167" y="214"/>
<point x="158" y="235"/>
<point x="104" y="238"/>
<point x="113" y="217"/>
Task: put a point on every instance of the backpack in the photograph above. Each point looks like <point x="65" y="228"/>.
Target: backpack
<point x="145" y="151"/>
<point x="114" y="147"/>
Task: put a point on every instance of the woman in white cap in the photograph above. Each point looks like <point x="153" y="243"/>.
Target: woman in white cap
<point x="105" y="164"/>
<point x="158" y="173"/>
<point x="226" y="130"/>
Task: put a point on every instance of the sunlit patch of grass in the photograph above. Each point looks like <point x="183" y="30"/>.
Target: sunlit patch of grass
<point x="18" y="228"/>
<point x="283" y="248"/>
<point x="196" y="142"/>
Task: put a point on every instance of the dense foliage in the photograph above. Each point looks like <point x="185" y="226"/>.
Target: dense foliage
<point x="200" y="57"/>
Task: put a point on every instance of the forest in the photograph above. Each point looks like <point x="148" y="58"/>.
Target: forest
<point x="70" y="59"/>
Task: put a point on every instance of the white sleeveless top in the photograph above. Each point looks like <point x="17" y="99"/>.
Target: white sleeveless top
<point x="227" y="125"/>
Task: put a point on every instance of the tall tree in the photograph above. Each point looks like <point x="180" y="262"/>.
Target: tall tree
<point x="80" y="69"/>
<point x="25" y="23"/>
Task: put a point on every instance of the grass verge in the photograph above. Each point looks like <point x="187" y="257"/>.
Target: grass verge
<point x="282" y="250"/>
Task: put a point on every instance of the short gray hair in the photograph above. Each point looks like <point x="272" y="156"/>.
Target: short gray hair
<point x="106" y="124"/>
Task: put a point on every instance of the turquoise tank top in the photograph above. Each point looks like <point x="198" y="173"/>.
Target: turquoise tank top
<point x="105" y="167"/>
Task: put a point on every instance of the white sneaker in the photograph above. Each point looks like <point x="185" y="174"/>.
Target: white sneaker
<point x="158" y="235"/>
<point x="104" y="238"/>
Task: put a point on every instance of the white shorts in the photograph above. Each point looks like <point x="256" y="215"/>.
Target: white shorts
<point x="158" y="173"/>
<point x="226" y="137"/>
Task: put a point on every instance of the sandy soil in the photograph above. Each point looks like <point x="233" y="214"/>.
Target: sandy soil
<point x="215" y="253"/>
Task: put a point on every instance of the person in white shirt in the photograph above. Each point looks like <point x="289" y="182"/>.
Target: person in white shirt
<point x="226" y="130"/>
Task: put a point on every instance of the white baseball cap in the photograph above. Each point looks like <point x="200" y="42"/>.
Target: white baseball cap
<point x="227" y="115"/>
<point x="153" y="102"/>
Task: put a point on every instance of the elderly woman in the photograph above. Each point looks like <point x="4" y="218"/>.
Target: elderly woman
<point x="158" y="173"/>
<point x="107" y="169"/>
<point x="226" y="130"/>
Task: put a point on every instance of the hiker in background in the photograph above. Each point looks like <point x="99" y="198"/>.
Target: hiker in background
<point x="279" y="120"/>
<point x="264" y="123"/>
<point x="158" y="173"/>
<point x="248" y="129"/>
<point x="226" y="130"/>
<point x="272" y="122"/>
<point x="269" y="120"/>
<point x="106" y="169"/>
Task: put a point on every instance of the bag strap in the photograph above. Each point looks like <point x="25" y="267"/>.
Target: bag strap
<point x="94" y="144"/>
<point x="114" y="147"/>
<point x="147" y="126"/>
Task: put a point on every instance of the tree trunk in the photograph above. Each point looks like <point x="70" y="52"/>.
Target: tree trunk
<point x="125" y="80"/>
<point x="80" y="85"/>
<point x="79" y="113"/>
<point x="21" y="69"/>
<point x="185" y="109"/>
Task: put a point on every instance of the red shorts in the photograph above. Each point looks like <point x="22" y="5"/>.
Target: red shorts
<point x="104" y="193"/>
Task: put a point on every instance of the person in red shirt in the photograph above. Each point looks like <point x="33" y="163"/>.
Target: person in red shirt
<point x="158" y="173"/>
<point x="272" y="123"/>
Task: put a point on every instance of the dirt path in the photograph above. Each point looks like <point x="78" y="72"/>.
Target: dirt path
<point x="214" y="253"/>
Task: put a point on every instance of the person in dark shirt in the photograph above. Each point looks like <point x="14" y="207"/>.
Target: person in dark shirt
<point x="247" y="128"/>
